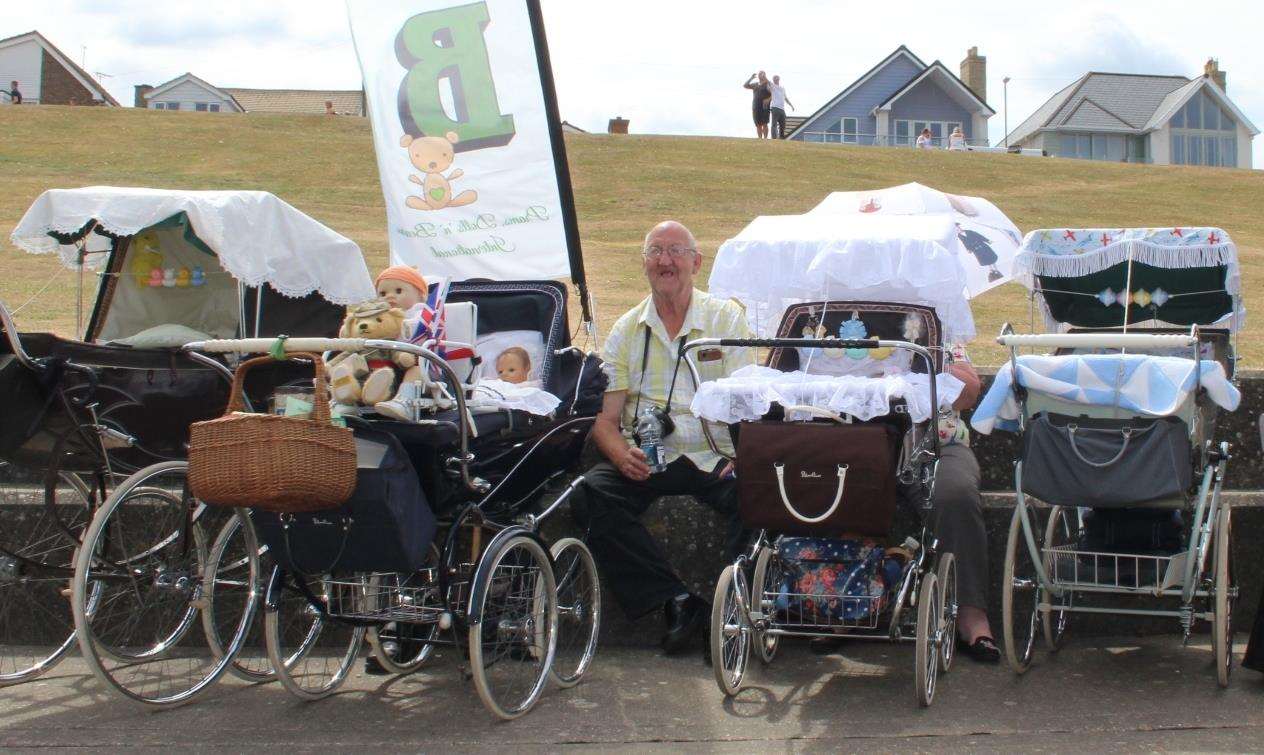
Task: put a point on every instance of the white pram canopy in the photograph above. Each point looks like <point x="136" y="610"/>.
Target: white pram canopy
<point x="779" y="260"/>
<point x="257" y="237"/>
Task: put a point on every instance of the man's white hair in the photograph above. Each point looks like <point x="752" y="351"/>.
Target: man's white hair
<point x="673" y="225"/>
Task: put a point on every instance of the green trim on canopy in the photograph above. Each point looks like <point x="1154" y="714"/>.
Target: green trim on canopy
<point x="1196" y="296"/>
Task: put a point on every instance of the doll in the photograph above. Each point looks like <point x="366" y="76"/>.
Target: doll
<point x="403" y="288"/>
<point x="513" y="365"/>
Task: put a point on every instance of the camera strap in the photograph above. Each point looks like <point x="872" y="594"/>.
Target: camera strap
<point x="645" y="357"/>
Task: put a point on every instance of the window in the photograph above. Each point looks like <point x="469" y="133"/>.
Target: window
<point x="1136" y="149"/>
<point x="849" y="130"/>
<point x="1211" y="114"/>
<point x="1178" y="149"/>
<point x="1200" y="134"/>
<point x="214" y="108"/>
<point x="907" y="131"/>
<point x="1194" y="113"/>
<point x="200" y="107"/>
<point x="902" y="133"/>
<point x="173" y="106"/>
<point x="1226" y="121"/>
<point x="1229" y="152"/>
<point x="159" y="106"/>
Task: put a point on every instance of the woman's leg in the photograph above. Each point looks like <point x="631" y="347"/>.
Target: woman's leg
<point x="958" y="523"/>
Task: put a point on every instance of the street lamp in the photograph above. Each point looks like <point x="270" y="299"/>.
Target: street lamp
<point x="1005" y="106"/>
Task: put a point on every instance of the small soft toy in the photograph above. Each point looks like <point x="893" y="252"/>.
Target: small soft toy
<point x="169" y="278"/>
<point x="403" y="288"/>
<point x="369" y="377"/>
<point x="198" y="278"/>
<point x="513" y="365"/>
<point x="155" y="278"/>
<point x="145" y="257"/>
<point x="182" y="278"/>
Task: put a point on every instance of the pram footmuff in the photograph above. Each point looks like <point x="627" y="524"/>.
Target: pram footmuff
<point x="836" y="433"/>
<point x="1119" y="470"/>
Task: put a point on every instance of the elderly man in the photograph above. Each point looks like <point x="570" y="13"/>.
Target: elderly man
<point x="640" y="355"/>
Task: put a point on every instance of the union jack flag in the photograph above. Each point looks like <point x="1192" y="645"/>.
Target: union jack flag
<point x="432" y="325"/>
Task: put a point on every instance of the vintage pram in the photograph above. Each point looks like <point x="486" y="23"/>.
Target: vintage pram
<point x="836" y="440"/>
<point x="1119" y="470"/>
<point x="488" y="585"/>
<point x="80" y="415"/>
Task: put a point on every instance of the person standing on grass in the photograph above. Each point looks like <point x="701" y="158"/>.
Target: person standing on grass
<point x="14" y="93"/>
<point x="762" y="97"/>
<point x="777" y="108"/>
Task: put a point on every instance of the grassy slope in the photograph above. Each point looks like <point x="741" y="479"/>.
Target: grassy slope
<point x="325" y="167"/>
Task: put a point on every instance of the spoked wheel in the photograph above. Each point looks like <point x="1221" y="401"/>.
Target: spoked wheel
<point x="1020" y="596"/>
<point x="730" y="633"/>
<point x="1222" y="623"/>
<point x="403" y="647"/>
<point x="513" y="642"/>
<point x="1062" y="530"/>
<point x="946" y="573"/>
<point x="929" y="635"/>
<point x="578" y="610"/>
<point x="232" y="584"/>
<point x="311" y="653"/>
<point x="138" y="587"/>
<point x="769" y="573"/>
<point x="41" y="521"/>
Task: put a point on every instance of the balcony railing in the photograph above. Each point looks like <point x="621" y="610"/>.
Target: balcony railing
<point x="885" y="140"/>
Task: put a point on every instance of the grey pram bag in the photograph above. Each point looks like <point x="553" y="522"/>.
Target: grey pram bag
<point x="1106" y="463"/>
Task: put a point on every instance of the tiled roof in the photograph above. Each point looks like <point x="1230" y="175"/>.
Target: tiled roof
<point x="309" y="101"/>
<point x="1115" y="101"/>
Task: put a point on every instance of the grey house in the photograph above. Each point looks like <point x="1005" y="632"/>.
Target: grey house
<point x="892" y="102"/>
<point x="1165" y="120"/>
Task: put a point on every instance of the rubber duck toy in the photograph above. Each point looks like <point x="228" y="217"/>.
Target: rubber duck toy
<point x="198" y="278"/>
<point x="182" y="278"/>
<point x="155" y="278"/>
<point x="169" y="278"/>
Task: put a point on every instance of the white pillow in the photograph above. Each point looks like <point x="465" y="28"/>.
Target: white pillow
<point x="162" y="337"/>
<point x="490" y="346"/>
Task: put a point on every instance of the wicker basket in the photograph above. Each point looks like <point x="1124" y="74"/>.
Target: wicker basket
<point x="270" y="462"/>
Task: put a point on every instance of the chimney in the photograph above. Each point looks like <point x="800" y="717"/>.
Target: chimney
<point x="974" y="72"/>
<point x="1212" y="71"/>
<point x="618" y="125"/>
<point x="142" y="95"/>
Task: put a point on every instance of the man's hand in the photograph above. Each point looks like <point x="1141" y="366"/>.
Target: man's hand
<point x="632" y="465"/>
<point x="725" y="471"/>
<point x="964" y="372"/>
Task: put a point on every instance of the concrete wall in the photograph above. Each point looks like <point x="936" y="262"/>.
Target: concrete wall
<point x="22" y="62"/>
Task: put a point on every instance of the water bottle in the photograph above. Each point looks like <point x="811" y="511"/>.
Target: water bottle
<point x="649" y="428"/>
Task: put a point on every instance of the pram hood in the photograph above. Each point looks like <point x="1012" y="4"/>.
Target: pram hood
<point x="780" y="260"/>
<point x="257" y="237"/>
<point x="1091" y="277"/>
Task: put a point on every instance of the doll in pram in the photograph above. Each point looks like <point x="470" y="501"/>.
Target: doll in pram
<point x="823" y="462"/>
<point x="1119" y="471"/>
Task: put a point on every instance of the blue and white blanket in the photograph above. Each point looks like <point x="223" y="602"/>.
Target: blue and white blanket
<point x="1154" y="385"/>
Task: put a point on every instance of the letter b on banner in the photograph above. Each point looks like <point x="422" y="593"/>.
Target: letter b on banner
<point x="448" y="44"/>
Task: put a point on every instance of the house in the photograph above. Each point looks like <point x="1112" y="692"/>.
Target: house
<point x="893" y="101"/>
<point x="45" y="75"/>
<point x="1165" y="120"/>
<point x="188" y="92"/>
<point x="571" y="128"/>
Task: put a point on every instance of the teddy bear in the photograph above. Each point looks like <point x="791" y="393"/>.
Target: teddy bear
<point x="432" y="155"/>
<point x="369" y="377"/>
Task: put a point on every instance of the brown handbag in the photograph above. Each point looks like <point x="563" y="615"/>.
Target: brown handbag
<point x="265" y="461"/>
<point x="817" y="478"/>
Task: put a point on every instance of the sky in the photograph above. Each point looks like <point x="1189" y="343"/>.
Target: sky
<point x="675" y="66"/>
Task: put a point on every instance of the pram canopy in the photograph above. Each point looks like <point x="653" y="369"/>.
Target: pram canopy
<point x="1109" y="277"/>
<point x="781" y="260"/>
<point x="180" y="259"/>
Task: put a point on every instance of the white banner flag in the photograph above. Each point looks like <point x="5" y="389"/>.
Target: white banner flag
<point x="461" y="132"/>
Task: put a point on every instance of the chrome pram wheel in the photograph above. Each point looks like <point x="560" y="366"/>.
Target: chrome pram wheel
<point x="311" y="653"/>
<point x="1020" y="596"/>
<point x="138" y="587"/>
<point x="400" y="646"/>
<point x="512" y="642"/>
<point x="769" y="573"/>
<point x="40" y="525"/>
<point x="730" y="633"/>
<point x="234" y="571"/>
<point x="929" y="637"/>
<point x="578" y="610"/>
<point x="1224" y="589"/>
<point x="1061" y="531"/>
<point x="946" y="573"/>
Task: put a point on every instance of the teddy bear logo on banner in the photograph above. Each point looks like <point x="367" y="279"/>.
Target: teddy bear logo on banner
<point x="432" y="155"/>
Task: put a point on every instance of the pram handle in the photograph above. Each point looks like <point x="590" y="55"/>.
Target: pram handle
<point x="799" y="343"/>
<point x="321" y="345"/>
<point x="1098" y="340"/>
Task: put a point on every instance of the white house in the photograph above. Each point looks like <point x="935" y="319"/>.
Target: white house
<point x="188" y="92"/>
<point x="1165" y="120"/>
<point x="45" y="75"/>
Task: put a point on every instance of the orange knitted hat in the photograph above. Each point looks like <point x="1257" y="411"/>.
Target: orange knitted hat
<point x="402" y="273"/>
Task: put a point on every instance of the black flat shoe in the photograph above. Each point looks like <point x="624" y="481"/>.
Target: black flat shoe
<point x="982" y="650"/>
<point x="686" y="616"/>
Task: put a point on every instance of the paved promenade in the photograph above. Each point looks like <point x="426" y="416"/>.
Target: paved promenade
<point x="1102" y="694"/>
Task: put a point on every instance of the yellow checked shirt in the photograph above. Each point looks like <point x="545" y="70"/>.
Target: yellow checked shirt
<point x="707" y="317"/>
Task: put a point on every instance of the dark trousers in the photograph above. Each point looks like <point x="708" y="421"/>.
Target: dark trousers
<point x="1254" y="658"/>
<point x="778" y="123"/>
<point x="609" y="507"/>
<point x="957" y="520"/>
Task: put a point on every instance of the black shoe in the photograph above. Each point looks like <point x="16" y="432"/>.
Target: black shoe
<point x="983" y="650"/>
<point x="374" y="667"/>
<point x="826" y="645"/>
<point x="686" y="615"/>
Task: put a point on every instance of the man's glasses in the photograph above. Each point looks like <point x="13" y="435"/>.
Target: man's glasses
<point x="675" y="252"/>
